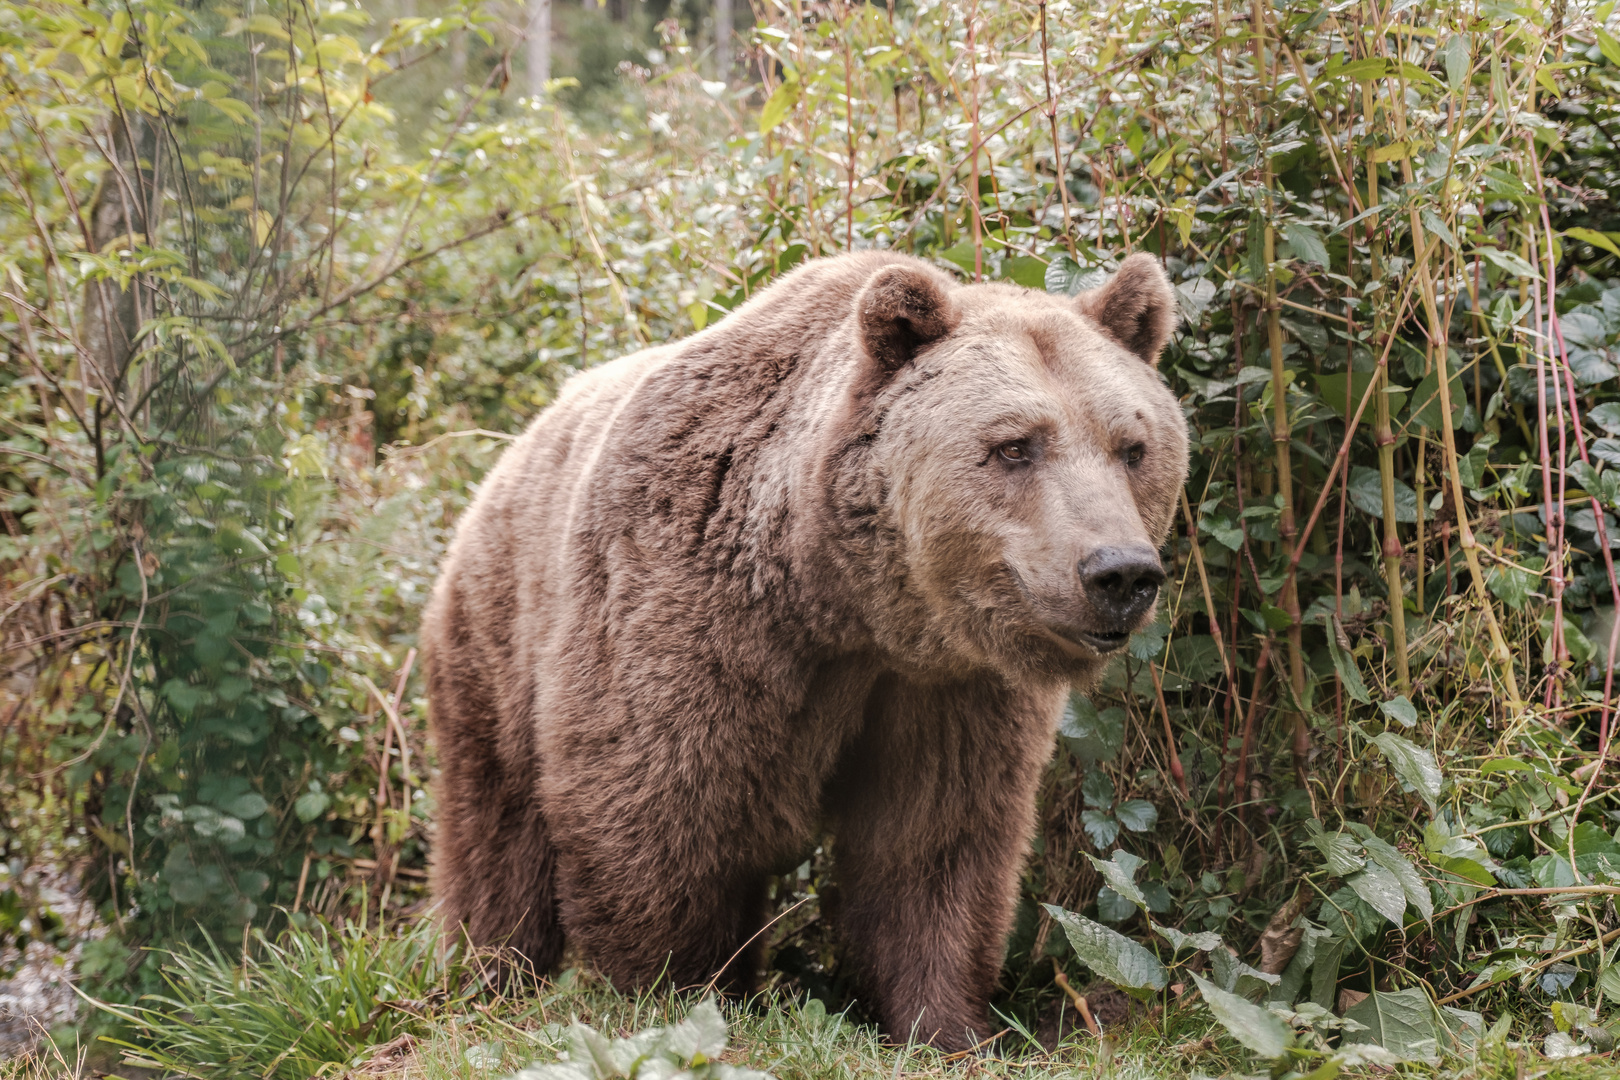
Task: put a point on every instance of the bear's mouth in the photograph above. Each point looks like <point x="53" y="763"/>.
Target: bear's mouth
<point x="1104" y="643"/>
<point x="1098" y="642"/>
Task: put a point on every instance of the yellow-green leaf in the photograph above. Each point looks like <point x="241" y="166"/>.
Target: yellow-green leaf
<point x="777" y="108"/>
<point x="1593" y="237"/>
<point x="1608" y="46"/>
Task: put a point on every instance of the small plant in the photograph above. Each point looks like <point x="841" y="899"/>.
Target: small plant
<point x="313" y="999"/>
<point x="689" y="1049"/>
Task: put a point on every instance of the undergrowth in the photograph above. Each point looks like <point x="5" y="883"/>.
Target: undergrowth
<point x="359" y="1004"/>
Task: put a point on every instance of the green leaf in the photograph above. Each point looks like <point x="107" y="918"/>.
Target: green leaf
<point x="1608" y="46"/>
<point x="1382" y="891"/>
<point x="1091" y="735"/>
<point x="1400" y="708"/>
<point x="1137" y="815"/>
<point x="1609" y="980"/>
<point x="1332" y="391"/>
<point x="1509" y="262"/>
<point x="1606" y="416"/>
<point x="1111" y="955"/>
<point x="1467" y="869"/>
<point x="1097" y="790"/>
<point x="247" y="807"/>
<point x="1234" y="975"/>
<point x="1413" y="764"/>
<point x="1365" y="70"/>
<point x="1385" y="855"/>
<point x="1512" y="585"/>
<point x="1248" y="1023"/>
<point x="1101" y="826"/>
<point x="780" y="104"/>
<point x="1404" y="1022"/>
<point x="1204" y="941"/>
<point x="1345" y="665"/>
<point x="311" y="805"/>
<point x="701" y="1036"/>
<point x="1457" y="61"/>
<point x="1340" y="851"/>
<point x="1307" y="244"/>
<point x="1593" y="237"/>
<point x="1120" y="874"/>
<point x="1426" y="410"/>
<point x="1366" y="491"/>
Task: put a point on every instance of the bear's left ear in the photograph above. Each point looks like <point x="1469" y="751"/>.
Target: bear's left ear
<point x="901" y="309"/>
<point x="1137" y="307"/>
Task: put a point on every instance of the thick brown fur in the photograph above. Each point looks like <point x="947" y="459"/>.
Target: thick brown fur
<point x="785" y="575"/>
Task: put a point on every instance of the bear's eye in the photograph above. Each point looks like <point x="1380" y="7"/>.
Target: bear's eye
<point x="1015" y="453"/>
<point x="1134" y="454"/>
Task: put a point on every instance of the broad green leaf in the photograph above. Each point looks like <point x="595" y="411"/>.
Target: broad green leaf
<point x="1606" y="416"/>
<point x="1407" y="1023"/>
<point x="1510" y="262"/>
<point x="1101" y="826"/>
<point x="1426" y="411"/>
<point x="1345" y="665"/>
<point x="1340" y="851"/>
<point x="701" y="1036"/>
<point x="1512" y="585"/>
<point x="1333" y="388"/>
<point x="1366" y="491"/>
<point x="1089" y="734"/>
<point x="781" y="103"/>
<point x="1593" y="237"/>
<point x="1120" y="874"/>
<point x="1467" y="869"/>
<point x="1097" y="790"/>
<point x="1137" y="815"/>
<point x="1382" y="891"/>
<point x="1112" y="907"/>
<point x="1412" y="884"/>
<point x="1111" y="955"/>
<point x="1609" y="980"/>
<point x="1608" y="46"/>
<point x="1254" y="1027"/>
<point x="1204" y="941"/>
<point x="1241" y="979"/>
<point x="1457" y="57"/>
<point x="1414" y="764"/>
<point x="1307" y="244"/>
<point x="247" y="807"/>
<point x="311" y="805"/>
<point x="1325" y="972"/>
<point x="1400" y="708"/>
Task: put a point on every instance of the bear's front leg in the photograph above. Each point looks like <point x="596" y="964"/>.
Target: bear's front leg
<point x="934" y="811"/>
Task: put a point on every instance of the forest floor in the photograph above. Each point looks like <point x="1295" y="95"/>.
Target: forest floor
<point x="790" y="1040"/>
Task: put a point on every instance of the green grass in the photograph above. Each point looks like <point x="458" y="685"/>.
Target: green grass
<point x="357" y="1004"/>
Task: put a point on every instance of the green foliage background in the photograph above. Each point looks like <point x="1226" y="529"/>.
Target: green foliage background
<point x="274" y="290"/>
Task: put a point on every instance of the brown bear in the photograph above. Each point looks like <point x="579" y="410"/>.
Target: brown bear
<point x="834" y="563"/>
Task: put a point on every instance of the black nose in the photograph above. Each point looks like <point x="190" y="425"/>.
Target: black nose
<point x="1122" y="583"/>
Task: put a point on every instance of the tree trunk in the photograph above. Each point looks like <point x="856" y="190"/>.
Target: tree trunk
<point x="722" y="40"/>
<point x="122" y="210"/>
<point x="539" y="37"/>
<point x="458" y="60"/>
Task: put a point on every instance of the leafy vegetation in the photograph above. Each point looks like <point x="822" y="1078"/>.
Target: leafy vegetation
<point x="269" y="307"/>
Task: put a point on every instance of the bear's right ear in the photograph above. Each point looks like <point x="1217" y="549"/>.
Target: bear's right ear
<point x="901" y="309"/>
<point x="1136" y="307"/>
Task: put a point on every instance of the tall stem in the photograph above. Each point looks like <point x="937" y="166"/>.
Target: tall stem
<point x="1384" y="437"/>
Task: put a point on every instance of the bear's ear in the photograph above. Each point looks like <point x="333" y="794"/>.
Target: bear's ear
<point x="901" y="309"/>
<point x="1137" y="307"/>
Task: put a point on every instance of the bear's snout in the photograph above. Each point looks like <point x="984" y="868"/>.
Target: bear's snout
<point x="1122" y="582"/>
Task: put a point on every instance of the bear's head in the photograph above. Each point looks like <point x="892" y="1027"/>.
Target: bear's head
<point x="1023" y="461"/>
